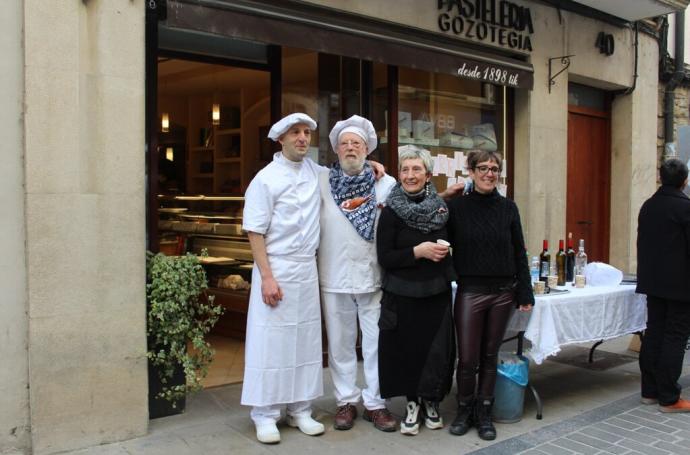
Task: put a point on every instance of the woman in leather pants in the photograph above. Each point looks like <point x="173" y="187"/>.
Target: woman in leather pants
<point x="493" y="277"/>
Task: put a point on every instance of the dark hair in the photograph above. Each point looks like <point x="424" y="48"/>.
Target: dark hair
<point x="673" y="172"/>
<point x="479" y="156"/>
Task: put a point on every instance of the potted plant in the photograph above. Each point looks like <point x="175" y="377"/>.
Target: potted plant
<point x="180" y="315"/>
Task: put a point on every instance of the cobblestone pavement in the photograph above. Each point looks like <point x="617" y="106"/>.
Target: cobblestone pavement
<point x="623" y="427"/>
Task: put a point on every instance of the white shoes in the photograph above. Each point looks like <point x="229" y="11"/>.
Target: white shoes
<point x="306" y="425"/>
<point x="410" y="426"/>
<point x="432" y="419"/>
<point x="268" y="433"/>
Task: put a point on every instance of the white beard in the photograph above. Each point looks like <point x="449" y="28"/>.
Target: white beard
<point x="352" y="166"/>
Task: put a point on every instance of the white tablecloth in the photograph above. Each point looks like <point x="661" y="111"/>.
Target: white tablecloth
<point x="579" y="316"/>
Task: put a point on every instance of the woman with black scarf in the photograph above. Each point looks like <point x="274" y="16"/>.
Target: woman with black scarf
<point x="416" y="339"/>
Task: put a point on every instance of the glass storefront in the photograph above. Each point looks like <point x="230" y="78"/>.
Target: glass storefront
<point x="213" y="116"/>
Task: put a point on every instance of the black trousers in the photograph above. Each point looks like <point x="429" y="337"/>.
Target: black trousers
<point x="663" y="348"/>
<point x="480" y="322"/>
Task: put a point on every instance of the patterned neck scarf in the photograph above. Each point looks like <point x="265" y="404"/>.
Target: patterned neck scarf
<point x="423" y="212"/>
<point x="355" y="196"/>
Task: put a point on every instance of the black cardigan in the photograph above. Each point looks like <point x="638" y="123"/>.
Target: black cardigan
<point x="402" y="273"/>
<point x="663" y="245"/>
<point x="488" y="246"/>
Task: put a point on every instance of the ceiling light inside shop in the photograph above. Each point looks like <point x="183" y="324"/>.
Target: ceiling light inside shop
<point x="215" y="116"/>
<point x="165" y="122"/>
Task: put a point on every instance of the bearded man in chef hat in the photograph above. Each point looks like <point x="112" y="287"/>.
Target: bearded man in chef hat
<point x="349" y="274"/>
<point x="283" y="342"/>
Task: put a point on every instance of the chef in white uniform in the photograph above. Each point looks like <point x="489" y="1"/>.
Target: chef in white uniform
<point x="349" y="273"/>
<point x="283" y="343"/>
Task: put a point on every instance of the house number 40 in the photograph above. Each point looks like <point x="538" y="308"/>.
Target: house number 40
<point x="605" y="43"/>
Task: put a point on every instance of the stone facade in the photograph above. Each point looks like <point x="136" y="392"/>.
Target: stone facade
<point x="72" y="321"/>
<point x="14" y="325"/>
<point x="541" y="117"/>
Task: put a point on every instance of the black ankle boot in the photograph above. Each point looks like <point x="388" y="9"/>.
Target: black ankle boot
<point x="463" y="421"/>
<point x="485" y="427"/>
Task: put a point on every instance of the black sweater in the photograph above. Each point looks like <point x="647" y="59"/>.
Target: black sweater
<point x="488" y="245"/>
<point x="402" y="273"/>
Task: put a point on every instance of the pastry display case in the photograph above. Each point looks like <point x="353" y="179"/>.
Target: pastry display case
<point x="192" y="224"/>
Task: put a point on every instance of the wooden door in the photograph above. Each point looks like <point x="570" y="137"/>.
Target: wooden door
<point x="589" y="180"/>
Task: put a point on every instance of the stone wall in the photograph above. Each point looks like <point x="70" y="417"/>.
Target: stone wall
<point x="85" y="221"/>
<point x="14" y="326"/>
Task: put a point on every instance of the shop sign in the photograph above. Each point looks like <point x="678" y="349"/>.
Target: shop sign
<point x="495" y="74"/>
<point x="497" y="22"/>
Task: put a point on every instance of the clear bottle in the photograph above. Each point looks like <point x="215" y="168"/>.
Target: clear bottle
<point x="570" y="260"/>
<point x="545" y="263"/>
<point x="534" y="269"/>
<point x="560" y="263"/>
<point x="580" y="259"/>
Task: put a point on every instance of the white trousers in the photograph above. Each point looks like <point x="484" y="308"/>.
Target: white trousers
<point x="262" y="415"/>
<point x="341" y="312"/>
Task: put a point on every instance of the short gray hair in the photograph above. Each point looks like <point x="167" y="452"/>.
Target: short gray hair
<point x="412" y="152"/>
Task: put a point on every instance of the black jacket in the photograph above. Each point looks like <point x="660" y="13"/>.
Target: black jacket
<point x="663" y="245"/>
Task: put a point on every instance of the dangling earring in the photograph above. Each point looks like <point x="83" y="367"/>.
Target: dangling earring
<point x="426" y="188"/>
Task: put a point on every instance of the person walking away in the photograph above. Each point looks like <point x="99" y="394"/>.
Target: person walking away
<point x="663" y="274"/>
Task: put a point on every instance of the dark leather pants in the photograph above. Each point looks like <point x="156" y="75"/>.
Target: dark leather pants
<point x="480" y="322"/>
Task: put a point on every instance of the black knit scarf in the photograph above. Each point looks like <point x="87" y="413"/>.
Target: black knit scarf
<point x="425" y="213"/>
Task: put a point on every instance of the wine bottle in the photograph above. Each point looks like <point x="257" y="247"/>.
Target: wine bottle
<point x="560" y="263"/>
<point x="580" y="259"/>
<point x="544" y="263"/>
<point x="570" y="260"/>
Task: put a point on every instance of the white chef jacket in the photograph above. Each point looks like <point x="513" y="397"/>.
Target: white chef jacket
<point x="347" y="263"/>
<point x="283" y="343"/>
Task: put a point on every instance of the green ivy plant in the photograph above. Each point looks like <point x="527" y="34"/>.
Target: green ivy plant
<point x="180" y="314"/>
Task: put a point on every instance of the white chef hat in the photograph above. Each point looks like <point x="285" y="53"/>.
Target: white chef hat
<point x="355" y="124"/>
<point x="281" y="126"/>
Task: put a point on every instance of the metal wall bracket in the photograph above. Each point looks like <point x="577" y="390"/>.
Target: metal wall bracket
<point x="565" y="61"/>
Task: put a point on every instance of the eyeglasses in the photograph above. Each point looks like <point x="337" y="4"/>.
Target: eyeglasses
<point x="354" y="144"/>
<point x="483" y="170"/>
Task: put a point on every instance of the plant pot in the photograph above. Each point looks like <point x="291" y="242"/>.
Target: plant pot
<point x="159" y="407"/>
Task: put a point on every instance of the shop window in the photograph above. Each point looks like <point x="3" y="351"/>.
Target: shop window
<point x="330" y="88"/>
<point x="216" y="118"/>
<point x="378" y="106"/>
<point x="450" y="117"/>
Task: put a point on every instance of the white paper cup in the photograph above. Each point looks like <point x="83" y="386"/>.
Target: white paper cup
<point x="552" y="281"/>
<point x="443" y="242"/>
<point x="579" y="281"/>
<point x="539" y="287"/>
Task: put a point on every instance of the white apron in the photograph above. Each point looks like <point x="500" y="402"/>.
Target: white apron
<point x="283" y="345"/>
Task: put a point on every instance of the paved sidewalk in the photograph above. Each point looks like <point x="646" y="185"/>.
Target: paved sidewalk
<point x="622" y="427"/>
<point x="585" y="412"/>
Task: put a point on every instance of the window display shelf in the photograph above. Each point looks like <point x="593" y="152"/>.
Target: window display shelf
<point x="450" y="117"/>
<point x="229" y="131"/>
<point x="407" y="93"/>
